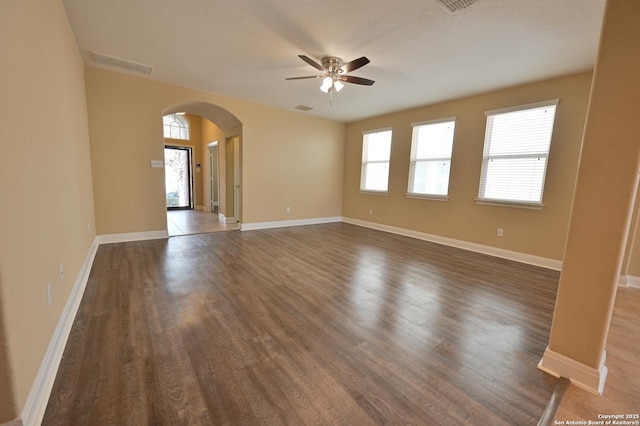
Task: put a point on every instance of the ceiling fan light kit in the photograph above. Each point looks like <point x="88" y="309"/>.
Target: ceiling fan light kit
<point x="334" y="72"/>
<point x="330" y="84"/>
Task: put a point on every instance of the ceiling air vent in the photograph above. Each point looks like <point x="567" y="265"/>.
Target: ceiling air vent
<point x="453" y="6"/>
<point x="120" y="63"/>
<point x="303" y="108"/>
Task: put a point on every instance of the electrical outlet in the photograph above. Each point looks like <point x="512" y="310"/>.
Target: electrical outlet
<point x="288" y="209"/>
<point x="500" y="232"/>
<point x="61" y="273"/>
<point x="49" y="295"/>
<point x="370" y="211"/>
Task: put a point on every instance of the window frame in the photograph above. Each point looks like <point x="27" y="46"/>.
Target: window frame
<point x="365" y="163"/>
<point x="182" y="126"/>
<point x="413" y="160"/>
<point x="486" y="158"/>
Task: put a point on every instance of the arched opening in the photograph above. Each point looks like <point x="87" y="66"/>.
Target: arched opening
<point x="214" y="137"/>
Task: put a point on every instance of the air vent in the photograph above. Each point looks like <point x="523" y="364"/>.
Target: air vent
<point x="453" y="6"/>
<point x="120" y="63"/>
<point x="303" y="108"/>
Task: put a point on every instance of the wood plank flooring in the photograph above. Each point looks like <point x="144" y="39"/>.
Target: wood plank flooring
<point x="322" y="325"/>
<point x="621" y="393"/>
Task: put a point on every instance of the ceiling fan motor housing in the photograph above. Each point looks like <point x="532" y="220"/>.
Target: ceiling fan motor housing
<point x="332" y="64"/>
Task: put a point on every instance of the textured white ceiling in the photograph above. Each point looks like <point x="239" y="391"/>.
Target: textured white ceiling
<point x="419" y="53"/>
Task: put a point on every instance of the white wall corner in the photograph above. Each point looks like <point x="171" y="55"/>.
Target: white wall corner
<point x="132" y="236"/>
<point x="583" y="376"/>
<point x="38" y="398"/>
<point x="529" y="259"/>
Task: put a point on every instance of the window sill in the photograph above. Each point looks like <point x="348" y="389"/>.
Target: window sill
<point x="430" y="197"/>
<point x="512" y="204"/>
<point x="371" y="192"/>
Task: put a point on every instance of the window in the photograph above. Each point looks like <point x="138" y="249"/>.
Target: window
<point x="516" y="150"/>
<point x="431" y="146"/>
<point x="376" y="151"/>
<point x="176" y="127"/>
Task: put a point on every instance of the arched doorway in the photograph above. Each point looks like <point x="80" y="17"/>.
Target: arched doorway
<point x="215" y="139"/>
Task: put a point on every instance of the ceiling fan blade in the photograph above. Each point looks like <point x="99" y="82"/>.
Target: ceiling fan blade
<point x="355" y="64"/>
<point x="357" y="80"/>
<point x="302" y="78"/>
<point x="311" y="62"/>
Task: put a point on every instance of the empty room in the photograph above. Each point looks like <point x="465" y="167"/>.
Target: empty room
<point x="336" y="213"/>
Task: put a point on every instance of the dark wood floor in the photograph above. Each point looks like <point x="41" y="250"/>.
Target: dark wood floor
<point x="326" y="324"/>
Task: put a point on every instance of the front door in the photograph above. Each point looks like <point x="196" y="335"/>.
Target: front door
<point x="177" y="175"/>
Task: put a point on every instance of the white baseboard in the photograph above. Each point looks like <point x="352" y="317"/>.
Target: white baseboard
<point x="633" y="281"/>
<point x="465" y="245"/>
<point x="38" y="398"/>
<point x="588" y="378"/>
<point x="623" y="281"/>
<point x="132" y="236"/>
<point x="286" y="223"/>
<point x="226" y="220"/>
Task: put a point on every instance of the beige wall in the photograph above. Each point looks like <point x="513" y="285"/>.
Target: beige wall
<point x="288" y="159"/>
<point x="634" y="254"/>
<point x="46" y="214"/>
<point x="539" y="233"/>
<point x="631" y="263"/>
<point x="196" y="142"/>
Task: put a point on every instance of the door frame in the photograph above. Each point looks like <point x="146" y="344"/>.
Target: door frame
<point x="236" y="178"/>
<point x="214" y="172"/>
<point x="190" y="177"/>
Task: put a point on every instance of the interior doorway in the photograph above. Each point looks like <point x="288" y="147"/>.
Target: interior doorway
<point x="178" y="177"/>
<point x="215" y="172"/>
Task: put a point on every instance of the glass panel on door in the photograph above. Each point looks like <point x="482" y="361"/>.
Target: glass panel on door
<point x="177" y="174"/>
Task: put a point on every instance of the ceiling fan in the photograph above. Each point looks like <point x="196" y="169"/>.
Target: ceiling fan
<point x="334" y="72"/>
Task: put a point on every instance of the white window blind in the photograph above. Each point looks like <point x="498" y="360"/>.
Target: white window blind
<point x="516" y="152"/>
<point x="376" y="152"/>
<point x="431" y="147"/>
<point x="175" y="127"/>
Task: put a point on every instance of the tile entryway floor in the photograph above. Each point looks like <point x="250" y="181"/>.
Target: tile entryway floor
<point x="187" y="222"/>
